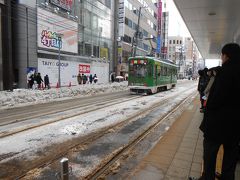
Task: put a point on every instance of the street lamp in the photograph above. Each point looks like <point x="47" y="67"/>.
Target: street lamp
<point x="59" y="36"/>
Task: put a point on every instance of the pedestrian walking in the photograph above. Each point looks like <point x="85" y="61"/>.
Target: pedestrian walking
<point x="39" y="80"/>
<point x="31" y="81"/>
<point x="95" y="79"/>
<point x="112" y="77"/>
<point x="84" y="77"/>
<point x="221" y="124"/>
<point x="79" y="78"/>
<point x="90" y="78"/>
<point x="46" y="82"/>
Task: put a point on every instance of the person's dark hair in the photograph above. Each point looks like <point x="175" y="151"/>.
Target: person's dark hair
<point x="200" y="72"/>
<point x="232" y="50"/>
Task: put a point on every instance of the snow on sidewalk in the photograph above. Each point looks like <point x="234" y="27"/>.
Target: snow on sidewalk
<point x="23" y="97"/>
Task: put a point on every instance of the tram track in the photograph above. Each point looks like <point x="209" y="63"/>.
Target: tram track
<point x="83" y="109"/>
<point x="98" y="172"/>
<point x="13" y="115"/>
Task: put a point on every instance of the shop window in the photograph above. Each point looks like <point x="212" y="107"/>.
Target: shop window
<point x="96" y="51"/>
<point x="88" y="49"/>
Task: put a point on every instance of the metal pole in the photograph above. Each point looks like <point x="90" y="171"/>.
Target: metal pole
<point x="59" y="63"/>
<point x="64" y="169"/>
<point x="114" y="61"/>
<point x="136" y="34"/>
<point x="27" y="37"/>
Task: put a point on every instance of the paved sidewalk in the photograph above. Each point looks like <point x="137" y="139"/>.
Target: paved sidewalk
<point x="178" y="154"/>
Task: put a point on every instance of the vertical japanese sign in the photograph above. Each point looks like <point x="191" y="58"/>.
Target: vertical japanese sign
<point x="159" y="26"/>
<point x="121" y="17"/>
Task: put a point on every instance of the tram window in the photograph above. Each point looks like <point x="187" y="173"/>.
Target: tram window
<point x="161" y="70"/>
<point x="149" y="68"/>
<point x="138" y="70"/>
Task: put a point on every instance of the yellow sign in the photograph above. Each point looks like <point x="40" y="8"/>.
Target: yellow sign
<point x="104" y="53"/>
<point x="119" y="50"/>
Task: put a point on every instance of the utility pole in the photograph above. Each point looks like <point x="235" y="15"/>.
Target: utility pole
<point x="59" y="58"/>
<point x="113" y="63"/>
<point x="137" y="34"/>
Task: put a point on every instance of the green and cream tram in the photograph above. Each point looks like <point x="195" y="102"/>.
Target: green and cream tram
<point x="150" y="75"/>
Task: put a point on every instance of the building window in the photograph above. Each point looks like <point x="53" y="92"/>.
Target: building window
<point x="96" y="51"/>
<point x="154" y="27"/>
<point x="170" y="41"/>
<point x="126" y="21"/>
<point x="180" y="42"/>
<point x="173" y="41"/>
<point x="145" y="46"/>
<point x="134" y="25"/>
<point x="88" y="49"/>
<point x="80" y="48"/>
<point x="108" y="3"/>
<point x="145" y="33"/>
<point x="127" y="38"/>
<point x="177" y="41"/>
<point x="129" y="23"/>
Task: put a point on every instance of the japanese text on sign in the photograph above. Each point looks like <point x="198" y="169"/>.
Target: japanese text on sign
<point x="84" y="68"/>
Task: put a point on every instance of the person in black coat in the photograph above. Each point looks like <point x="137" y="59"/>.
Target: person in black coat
<point x="46" y="81"/>
<point x="221" y="123"/>
<point x="90" y="78"/>
<point x="39" y="80"/>
<point x="202" y="84"/>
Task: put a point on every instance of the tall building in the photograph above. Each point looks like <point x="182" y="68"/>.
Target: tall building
<point x="175" y="48"/>
<point x="6" y="63"/>
<point x="1" y="46"/>
<point x="165" y="21"/>
<point x="129" y="17"/>
<point x="79" y="32"/>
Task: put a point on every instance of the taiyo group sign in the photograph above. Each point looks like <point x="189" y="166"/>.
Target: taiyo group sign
<point x="50" y="25"/>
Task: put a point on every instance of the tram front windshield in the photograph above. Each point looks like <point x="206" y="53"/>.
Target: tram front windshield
<point x="138" y="70"/>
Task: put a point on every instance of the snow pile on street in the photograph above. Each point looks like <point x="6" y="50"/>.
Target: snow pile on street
<point x="20" y="97"/>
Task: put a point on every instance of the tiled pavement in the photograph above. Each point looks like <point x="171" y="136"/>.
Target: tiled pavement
<point x="179" y="153"/>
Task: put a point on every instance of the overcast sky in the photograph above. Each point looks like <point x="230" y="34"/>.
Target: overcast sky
<point x="177" y="26"/>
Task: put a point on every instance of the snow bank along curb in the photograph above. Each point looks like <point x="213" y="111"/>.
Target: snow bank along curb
<point x="27" y="96"/>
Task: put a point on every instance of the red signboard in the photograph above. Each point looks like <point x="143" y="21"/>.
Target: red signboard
<point x="164" y="50"/>
<point x="84" y="68"/>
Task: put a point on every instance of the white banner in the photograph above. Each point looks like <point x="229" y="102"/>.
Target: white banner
<point x="68" y="72"/>
<point x="50" y="25"/>
<point x="70" y="69"/>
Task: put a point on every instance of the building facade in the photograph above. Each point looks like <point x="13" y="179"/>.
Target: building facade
<point x="144" y="38"/>
<point x="164" y="47"/>
<point x="1" y="47"/>
<point x="79" y="33"/>
<point x="6" y="61"/>
<point x="175" y="48"/>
